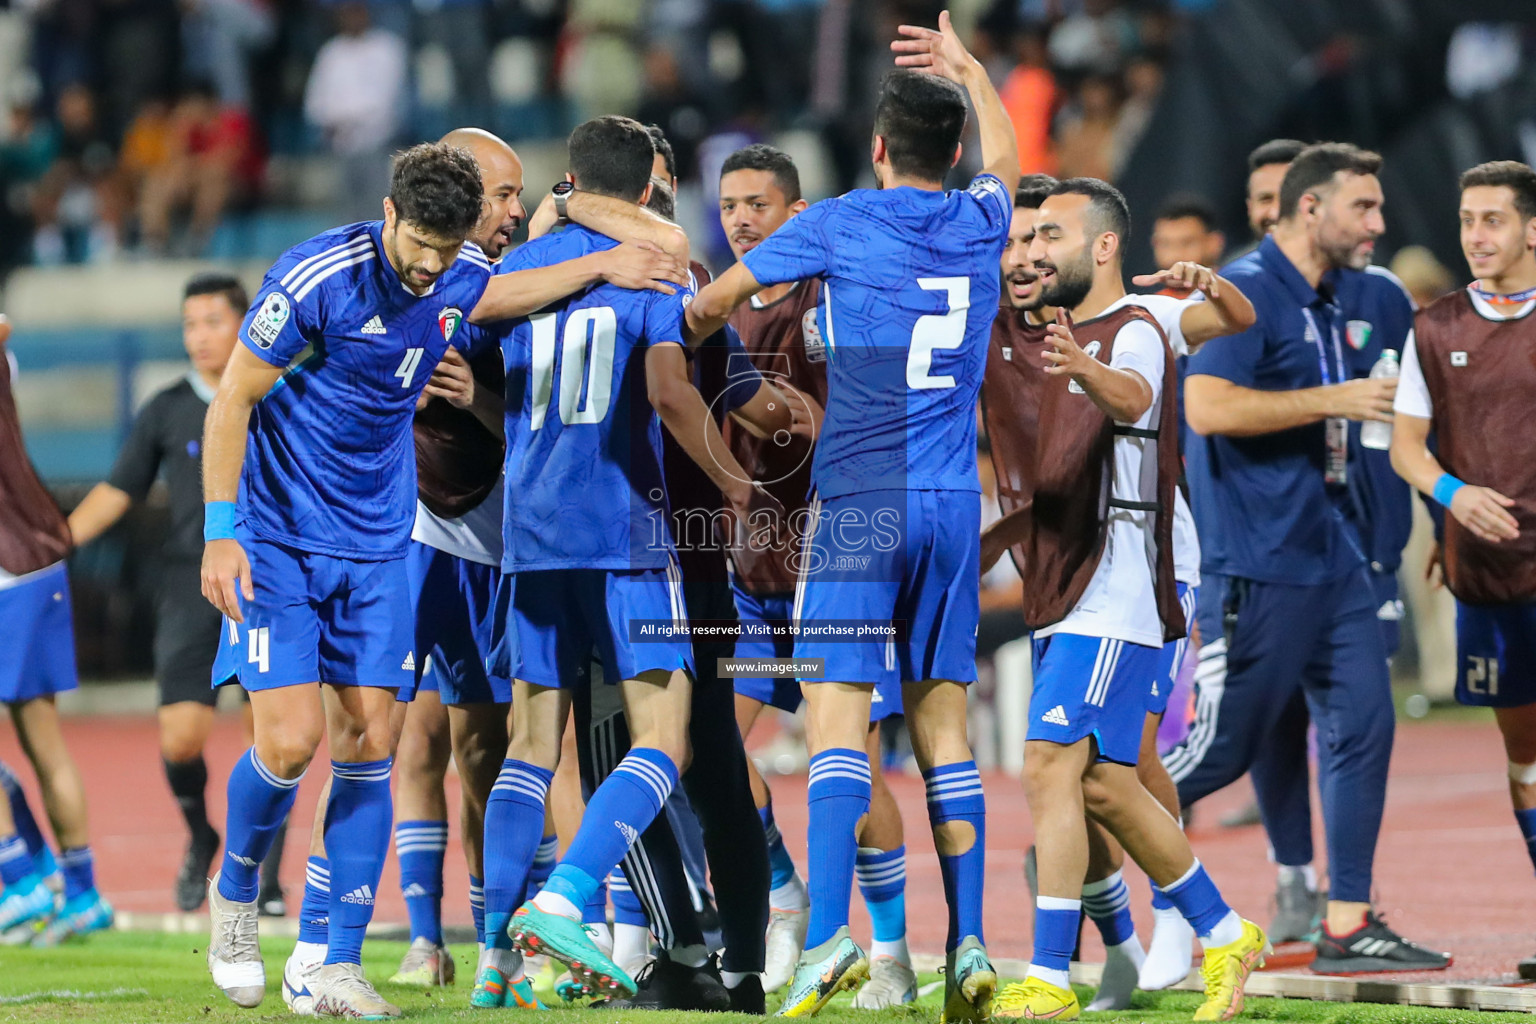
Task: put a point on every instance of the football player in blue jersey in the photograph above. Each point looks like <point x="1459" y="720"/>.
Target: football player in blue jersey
<point x="910" y="287"/>
<point x="586" y="535"/>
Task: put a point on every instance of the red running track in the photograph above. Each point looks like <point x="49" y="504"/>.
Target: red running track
<point x="1451" y="868"/>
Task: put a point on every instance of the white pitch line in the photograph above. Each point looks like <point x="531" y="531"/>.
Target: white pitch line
<point x="73" y="995"/>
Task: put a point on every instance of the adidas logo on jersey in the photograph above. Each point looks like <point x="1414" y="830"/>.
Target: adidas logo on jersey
<point x="409" y="664"/>
<point x="627" y="830"/>
<point x="374" y="326"/>
<point x="362" y="894"/>
<point x="414" y="891"/>
<point x="1056" y="716"/>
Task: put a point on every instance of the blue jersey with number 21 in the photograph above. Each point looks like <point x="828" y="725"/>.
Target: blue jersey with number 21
<point x="909" y="290"/>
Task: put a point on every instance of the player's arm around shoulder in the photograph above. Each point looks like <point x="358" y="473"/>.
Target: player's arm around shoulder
<point x="713" y="305"/>
<point x="532" y="277"/>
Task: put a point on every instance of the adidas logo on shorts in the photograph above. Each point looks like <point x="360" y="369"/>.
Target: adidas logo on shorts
<point x="374" y="326"/>
<point x="362" y="894"/>
<point x="628" y="831"/>
<point x="1154" y="688"/>
<point x="1056" y="716"/>
<point x="409" y="664"/>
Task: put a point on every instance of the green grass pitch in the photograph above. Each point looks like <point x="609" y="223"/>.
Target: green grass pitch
<point x="149" y="977"/>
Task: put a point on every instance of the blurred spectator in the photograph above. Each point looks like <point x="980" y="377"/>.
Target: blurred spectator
<point x="1482" y="56"/>
<point x="460" y="29"/>
<point x="1086" y="146"/>
<point x="356" y="97"/>
<point x="1185" y="229"/>
<point x="146" y="146"/>
<point x="1030" y="97"/>
<point x="76" y="206"/>
<point x="1143" y="85"/>
<point x="1097" y="39"/>
<point x="212" y="159"/>
<point x="668" y="105"/>
<point x="1424" y="276"/>
<point x="218" y="38"/>
<point x="25" y="156"/>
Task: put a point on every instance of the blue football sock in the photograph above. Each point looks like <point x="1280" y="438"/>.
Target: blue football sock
<point x="622" y="807"/>
<point x="954" y="795"/>
<point x="26" y="825"/>
<point x="595" y="910"/>
<point x="258" y="803"/>
<point x="1056" y="921"/>
<point x="882" y="876"/>
<point x="356" y="842"/>
<point x="1527" y="820"/>
<point x="780" y="863"/>
<point x="514" y="823"/>
<point x="420" y="847"/>
<point x="15" y="861"/>
<point x="626" y="905"/>
<point x="315" y="910"/>
<point x="1160" y="900"/>
<point x="1198" y="900"/>
<point x="79" y="869"/>
<point x="477" y="906"/>
<point x="838" y="795"/>
<point x="1108" y="904"/>
<point x="544" y="859"/>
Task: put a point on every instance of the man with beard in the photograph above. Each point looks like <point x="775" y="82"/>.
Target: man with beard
<point x="1272" y="475"/>
<point x="1012" y="393"/>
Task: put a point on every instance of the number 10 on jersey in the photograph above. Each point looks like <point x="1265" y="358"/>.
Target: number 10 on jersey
<point x="586" y="370"/>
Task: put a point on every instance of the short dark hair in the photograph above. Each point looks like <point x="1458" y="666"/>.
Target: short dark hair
<point x="1032" y="190"/>
<point x="1513" y="175"/>
<point x="437" y="188"/>
<point x="214" y="283"/>
<point x="661" y="145"/>
<point x="1188" y="204"/>
<point x="921" y="118"/>
<point x="1314" y="168"/>
<point x="762" y="157"/>
<point x="663" y="201"/>
<point x="1107" y="207"/>
<point x="612" y="155"/>
<point x="1275" y="151"/>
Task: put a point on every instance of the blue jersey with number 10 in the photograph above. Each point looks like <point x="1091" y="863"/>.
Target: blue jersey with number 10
<point x="909" y="290"/>
<point x="584" y="480"/>
<point x="330" y="464"/>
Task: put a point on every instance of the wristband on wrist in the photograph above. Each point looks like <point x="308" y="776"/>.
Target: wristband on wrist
<point x="218" y="520"/>
<point x="1446" y="488"/>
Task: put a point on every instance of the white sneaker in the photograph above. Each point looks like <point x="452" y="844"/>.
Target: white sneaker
<point x="298" y="984"/>
<point x="785" y="941"/>
<point x="1170" y="954"/>
<point x="341" y="991"/>
<point x="891" y="983"/>
<point x="426" y="965"/>
<point x="234" y="955"/>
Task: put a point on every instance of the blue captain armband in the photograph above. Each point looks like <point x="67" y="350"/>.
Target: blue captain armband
<point x="218" y="520"/>
<point x="1446" y="488"/>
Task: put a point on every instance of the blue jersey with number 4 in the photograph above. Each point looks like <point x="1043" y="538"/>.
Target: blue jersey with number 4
<point x="330" y="464"/>
<point x="909" y="290"/>
<point x="584" y="480"/>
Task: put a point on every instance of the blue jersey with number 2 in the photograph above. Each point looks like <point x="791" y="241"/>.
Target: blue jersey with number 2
<point x="909" y="290"/>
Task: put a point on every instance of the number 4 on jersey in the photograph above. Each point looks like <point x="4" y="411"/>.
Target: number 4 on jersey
<point x="408" y="366"/>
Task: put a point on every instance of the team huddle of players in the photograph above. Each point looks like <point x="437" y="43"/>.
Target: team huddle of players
<point x="458" y="488"/>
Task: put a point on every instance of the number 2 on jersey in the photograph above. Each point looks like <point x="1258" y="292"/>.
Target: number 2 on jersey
<point x="937" y="331"/>
<point x="408" y="366"/>
<point x="580" y="369"/>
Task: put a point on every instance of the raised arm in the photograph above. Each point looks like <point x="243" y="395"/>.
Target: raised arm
<point x="1215" y="405"/>
<point x="710" y="309"/>
<point x="940" y="52"/>
<point x="630" y="265"/>
<point x="1225" y="311"/>
<point x="246" y="379"/>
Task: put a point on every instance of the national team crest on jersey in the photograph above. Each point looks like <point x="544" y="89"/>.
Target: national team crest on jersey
<point x="268" y="323"/>
<point x="1358" y="334"/>
<point x="815" y="345"/>
<point x="449" y="320"/>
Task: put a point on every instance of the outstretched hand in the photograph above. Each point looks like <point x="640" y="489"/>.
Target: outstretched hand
<point x="936" y="51"/>
<point x="1184" y="275"/>
<point x="1065" y="356"/>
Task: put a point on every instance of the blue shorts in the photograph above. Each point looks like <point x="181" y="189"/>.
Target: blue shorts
<point x="1091" y="686"/>
<point x="562" y="617"/>
<point x="1389" y="608"/>
<point x="39" y="630"/>
<point x="317" y="618"/>
<point x="777" y="691"/>
<point x="908" y="558"/>
<point x="458" y="626"/>
<point x="1496" y="649"/>
<point x="1171" y="658"/>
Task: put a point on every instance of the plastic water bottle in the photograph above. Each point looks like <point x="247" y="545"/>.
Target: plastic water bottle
<point x="1374" y="433"/>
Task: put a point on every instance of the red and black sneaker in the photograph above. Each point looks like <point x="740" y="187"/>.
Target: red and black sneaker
<point x="1373" y="948"/>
